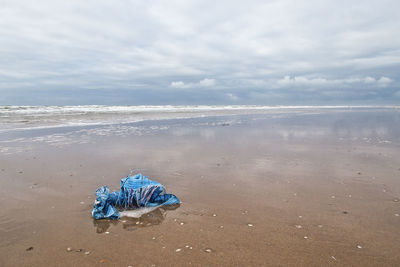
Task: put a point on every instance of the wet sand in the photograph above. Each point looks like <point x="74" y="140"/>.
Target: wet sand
<point x="295" y="189"/>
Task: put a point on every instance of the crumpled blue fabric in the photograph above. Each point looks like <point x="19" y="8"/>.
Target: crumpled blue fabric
<point x="136" y="191"/>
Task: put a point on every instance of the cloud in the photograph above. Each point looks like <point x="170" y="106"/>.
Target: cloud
<point x="201" y="84"/>
<point x="323" y="82"/>
<point x="384" y="81"/>
<point x="207" y="82"/>
<point x="300" y="80"/>
<point x="179" y="84"/>
<point x="232" y="97"/>
<point x="244" y="46"/>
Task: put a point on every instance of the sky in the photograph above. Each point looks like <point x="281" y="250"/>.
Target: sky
<point x="226" y="52"/>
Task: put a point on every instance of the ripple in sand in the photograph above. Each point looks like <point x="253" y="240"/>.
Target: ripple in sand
<point x="12" y="230"/>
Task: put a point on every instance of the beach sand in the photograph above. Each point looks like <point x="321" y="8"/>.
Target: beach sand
<point x="292" y="189"/>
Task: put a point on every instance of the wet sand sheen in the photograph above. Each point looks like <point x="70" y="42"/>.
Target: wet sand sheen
<point x="310" y="190"/>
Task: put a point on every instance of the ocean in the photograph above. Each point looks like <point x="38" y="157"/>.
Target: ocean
<point x="33" y="117"/>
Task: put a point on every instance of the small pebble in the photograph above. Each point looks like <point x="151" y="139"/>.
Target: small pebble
<point x="69" y="249"/>
<point x="358" y="246"/>
<point x="214" y="215"/>
<point x="208" y="250"/>
<point x="102" y="261"/>
<point x="29" y="249"/>
<point x="396" y="200"/>
<point x="250" y="225"/>
<point x="79" y="250"/>
<point x="221" y="226"/>
<point x="178" y="249"/>
<point x="87" y="252"/>
<point x="124" y="221"/>
<point x="345" y="212"/>
<point x="182" y="223"/>
<point x="82" y="202"/>
<point x="306" y="237"/>
<point x="349" y="195"/>
<point x="320" y="225"/>
<point x="190" y="247"/>
<point x="333" y="258"/>
<point x="107" y="233"/>
<point x="332" y="196"/>
<point x="137" y="222"/>
<point x="300" y="216"/>
<point x="396" y="214"/>
<point x="299" y="226"/>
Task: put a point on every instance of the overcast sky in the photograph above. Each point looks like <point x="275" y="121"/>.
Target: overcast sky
<point x="199" y="52"/>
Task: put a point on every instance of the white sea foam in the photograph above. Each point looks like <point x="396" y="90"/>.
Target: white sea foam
<point x="4" y="110"/>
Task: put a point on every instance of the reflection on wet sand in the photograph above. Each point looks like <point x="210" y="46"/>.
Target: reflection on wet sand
<point x="154" y="217"/>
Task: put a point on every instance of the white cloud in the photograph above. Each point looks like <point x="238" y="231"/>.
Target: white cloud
<point x="232" y="97"/>
<point x="369" y="80"/>
<point x="201" y="84"/>
<point x="207" y="82"/>
<point x="322" y="82"/>
<point x="179" y="84"/>
<point x="384" y="81"/>
<point x="300" y="80"/>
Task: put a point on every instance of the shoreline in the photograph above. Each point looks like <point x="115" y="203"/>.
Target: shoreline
<point x="135" y="114"/>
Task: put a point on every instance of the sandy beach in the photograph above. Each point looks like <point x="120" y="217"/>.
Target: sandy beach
<point x="309" y="188"/>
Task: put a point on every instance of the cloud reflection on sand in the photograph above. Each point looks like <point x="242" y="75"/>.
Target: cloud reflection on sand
<point x="348" y="125"/>
<point x="129" y="223"/>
